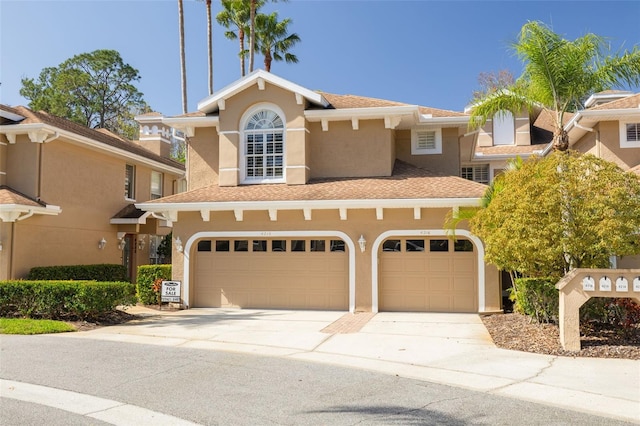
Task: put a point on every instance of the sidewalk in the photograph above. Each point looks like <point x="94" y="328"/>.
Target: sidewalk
<point x="451" y="349"/>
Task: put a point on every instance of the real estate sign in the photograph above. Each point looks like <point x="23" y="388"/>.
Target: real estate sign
<point x="170" y="291"/>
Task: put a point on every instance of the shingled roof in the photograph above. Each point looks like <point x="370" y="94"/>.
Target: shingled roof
<point x="11" y="196"/>
<point x="624" y="103"/>
<point x="406" y="182"/>
<point x="100" y="135"/>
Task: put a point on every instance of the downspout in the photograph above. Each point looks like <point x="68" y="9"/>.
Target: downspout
<point x="13" y="248"/>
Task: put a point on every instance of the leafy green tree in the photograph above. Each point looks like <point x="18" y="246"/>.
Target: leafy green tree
<point x="560" y="212"/>
<point x="93" y="89"/>
<point x="234" y="16"/>
<point x="273" y="39"/>
<point x="558" y="74"/>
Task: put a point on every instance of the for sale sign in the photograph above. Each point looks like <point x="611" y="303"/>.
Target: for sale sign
<point x="170" y="291"/>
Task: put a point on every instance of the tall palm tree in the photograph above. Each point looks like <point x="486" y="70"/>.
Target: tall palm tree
<point x="558" y="74"/>
<point x="183" y="66"/>
<point x="235" y="13"/>
<point x="253" y="7"/>
<point x="273" y="39"/>
<point x="209" y="45"/>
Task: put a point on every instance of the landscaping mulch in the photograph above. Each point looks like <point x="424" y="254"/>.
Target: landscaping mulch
<point x="517" y="332"/>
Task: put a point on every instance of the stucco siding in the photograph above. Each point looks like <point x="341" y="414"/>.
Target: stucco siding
<point x="203" y="158"/>
<point x="448" y="162"/>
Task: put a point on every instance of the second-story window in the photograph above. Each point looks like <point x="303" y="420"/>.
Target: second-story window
<point x="264" y="146"/>
<point x="130" y="182"/>
<point x="156" y="185"/>
<point x="629" y="135"/>
<point x="478" y="173"/>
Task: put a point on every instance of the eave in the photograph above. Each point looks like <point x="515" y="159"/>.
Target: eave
<point x="18" y="212"/>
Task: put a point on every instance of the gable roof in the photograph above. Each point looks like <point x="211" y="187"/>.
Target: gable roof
<point x="631" y="101"/>
<point x="14" y="205"/>
<point x="102" y="136"/>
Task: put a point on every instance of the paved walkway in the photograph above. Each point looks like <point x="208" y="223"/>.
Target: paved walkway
<point x="452" y="349"/>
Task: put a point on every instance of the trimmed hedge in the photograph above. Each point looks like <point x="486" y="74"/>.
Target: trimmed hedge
<point x="101" y="272"/>
<point x="147" y="274"/>
<point x="536" y="297"/>
<point x="63" y="299"/>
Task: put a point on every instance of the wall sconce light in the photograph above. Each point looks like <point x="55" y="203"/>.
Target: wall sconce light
<point x="121" y="243"/>
<point x="0" y="245"/>
<point x="141" y="242"/>
<point x="362" y="242"/>
<point x="178" y="244"/>
<point x="102" y="243"/>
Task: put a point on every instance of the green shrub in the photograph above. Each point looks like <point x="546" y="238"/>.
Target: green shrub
<point x="537" y="298"/>
<point x="622" y="312"/>
<point x="63" y="299"/>
<point x="147" y="274"/>
<point x="102" y="272"/>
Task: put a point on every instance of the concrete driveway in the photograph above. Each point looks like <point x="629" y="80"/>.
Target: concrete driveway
<point x="452" y="349"/>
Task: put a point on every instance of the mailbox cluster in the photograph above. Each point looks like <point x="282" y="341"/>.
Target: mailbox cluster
<point x="605" y="284"/>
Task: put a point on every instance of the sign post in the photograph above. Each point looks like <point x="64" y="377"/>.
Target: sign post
<point x="170" y="291"/>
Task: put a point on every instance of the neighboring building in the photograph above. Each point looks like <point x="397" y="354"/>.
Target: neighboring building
<point x="308" y="200"/>
<point x="67" y="192"/>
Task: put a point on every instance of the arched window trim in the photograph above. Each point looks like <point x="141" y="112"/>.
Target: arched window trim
<point x="244" y="132"/>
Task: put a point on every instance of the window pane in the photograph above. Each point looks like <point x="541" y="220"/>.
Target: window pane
<point x="298" y="245"/>
<point x="204" y="245"/>
<point x="222" y="245"/>
<point x="439" y="245"/>
<point x="463" y="245"/>
<point x="129" y="181"/>
<point x="156" y="185"/>
<point x="337" y="245"/>
<point x="259" y="245"/>
<point x="391" y="245"/>
<point x="279" y="245"/>
<point x="414" y="245"/>
<point x="317" y="245"/>
<point x="241" y="245"/>
<point x="633" y="132"/>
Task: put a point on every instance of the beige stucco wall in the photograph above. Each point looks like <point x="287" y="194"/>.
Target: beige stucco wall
<point x="203" y="158"/>
<point x="448" y="162"/>
<point x="359" y="222"/>
<point x="344" y="152"/>
<point x="3" y="160"/>
<point x="89" y="187"/>
<point x="605" y="143"/>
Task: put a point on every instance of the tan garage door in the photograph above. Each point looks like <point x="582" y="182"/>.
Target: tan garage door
<point x="428" y="275"/>
<point x="272" y="273"/>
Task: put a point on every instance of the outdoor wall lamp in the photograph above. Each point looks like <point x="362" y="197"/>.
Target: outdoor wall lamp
<point x="362" y="242"/>
<point x="102" y="243"/>
<point x="178" y="244"/>
<point x="141" y="242"/>
<point x="0" y="245"/>
<point x="121" y="244"/>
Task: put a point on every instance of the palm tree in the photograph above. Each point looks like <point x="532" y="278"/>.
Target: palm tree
<point x="558" y="74"/>
<point x="183" y="67"/>
<point x="209" y="45"/>
<point x="273" y="39"/>
<point x="236" y="13"/>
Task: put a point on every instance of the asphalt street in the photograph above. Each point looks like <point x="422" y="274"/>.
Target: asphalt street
<point x="225" y="388"/>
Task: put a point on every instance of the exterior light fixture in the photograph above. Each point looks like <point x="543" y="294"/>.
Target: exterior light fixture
<point x="0" y="245"/>
<point x="178" y="244"/>
<point x="102" y="243"/>
<point x="121" y="243"/>
<point x="141" y="242"/>
<point x="362" y="242"/>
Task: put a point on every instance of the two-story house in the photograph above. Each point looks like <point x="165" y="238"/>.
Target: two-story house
<point x="309" y="200"/>
<point x="67" y="192"/>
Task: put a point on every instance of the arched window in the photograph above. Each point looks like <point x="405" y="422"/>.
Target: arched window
<point x="263" y="137"/>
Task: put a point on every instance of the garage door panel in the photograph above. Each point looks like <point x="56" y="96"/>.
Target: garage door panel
<point x="428" y="280"/>
<point x="272" y="279"/>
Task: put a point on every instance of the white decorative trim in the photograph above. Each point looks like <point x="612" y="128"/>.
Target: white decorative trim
<point x="355" y="124"/>
<point x="343" y="213"/>
<point x="222" y="104"/>
<point x="307" y="214"/>
<point x="417" y="213"/>
<point x="391" y="122"/>
<point x="426" y="232"/>
<point x="229" y="132"/>
<point x="379" y="213"/>
<point x="325" y="124"/>
<point x="205" y="215"/>
<point x="298" y="167"/>
<point x="298" y="129"/>
<point x="3" y="144"/>
<point x="17" y="212"/>
<point x="249" y="234"/>
<point x="624" y="143"/>
<point x="299" y="99"/>
<point x="229" y="169"/>
<point x="273" y="215"/>
<point x="239" y="214"/>
<point x="261" y="84"/>
<point x="414" y="141"/>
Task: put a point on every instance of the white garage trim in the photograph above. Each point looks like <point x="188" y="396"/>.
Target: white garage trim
<point x="427" y="233"/>
<point x="252" y="234"/>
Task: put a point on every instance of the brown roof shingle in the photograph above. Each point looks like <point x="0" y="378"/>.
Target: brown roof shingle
<point x="625" y="103"/>
<point x="407" y="182"/>
<point x="11" y="196"/>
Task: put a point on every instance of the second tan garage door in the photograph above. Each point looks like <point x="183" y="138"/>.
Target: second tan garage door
<point x="428" y="275"/>
<point x="272" y="273"/>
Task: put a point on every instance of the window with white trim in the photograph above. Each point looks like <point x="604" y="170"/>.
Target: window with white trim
<point x="504" y="128"/>
<point x="426" y="141"/>
<point x="263" y="149"/>
<point x="478" y="173"/>
<point x="629" y="135"/>
<point x="130" y="182"/>
<point x="156" y="185"/>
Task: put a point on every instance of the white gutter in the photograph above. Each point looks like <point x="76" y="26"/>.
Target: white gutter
<point x="311" y="205"/>
<point x="16" y="212"/>
<point x="16" y="129"/>
<point x="605" y="113"/>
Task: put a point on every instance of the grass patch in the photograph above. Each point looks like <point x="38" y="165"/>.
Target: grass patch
<point x="33" y="326"/>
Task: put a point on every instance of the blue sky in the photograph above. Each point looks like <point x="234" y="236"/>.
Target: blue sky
<point x="419" y="52"/>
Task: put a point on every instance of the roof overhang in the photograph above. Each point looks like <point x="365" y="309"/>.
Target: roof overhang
<point x="11" y="116"/>
<point x="44" y="133"/>
<point x="18" y="212"/>
<point x="169" y="211"/>
<point x="583" y="121"/>
<point x="259" y="77"/>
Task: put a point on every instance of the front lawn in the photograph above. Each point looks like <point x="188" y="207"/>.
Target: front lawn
<point x="33" y="326"/>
